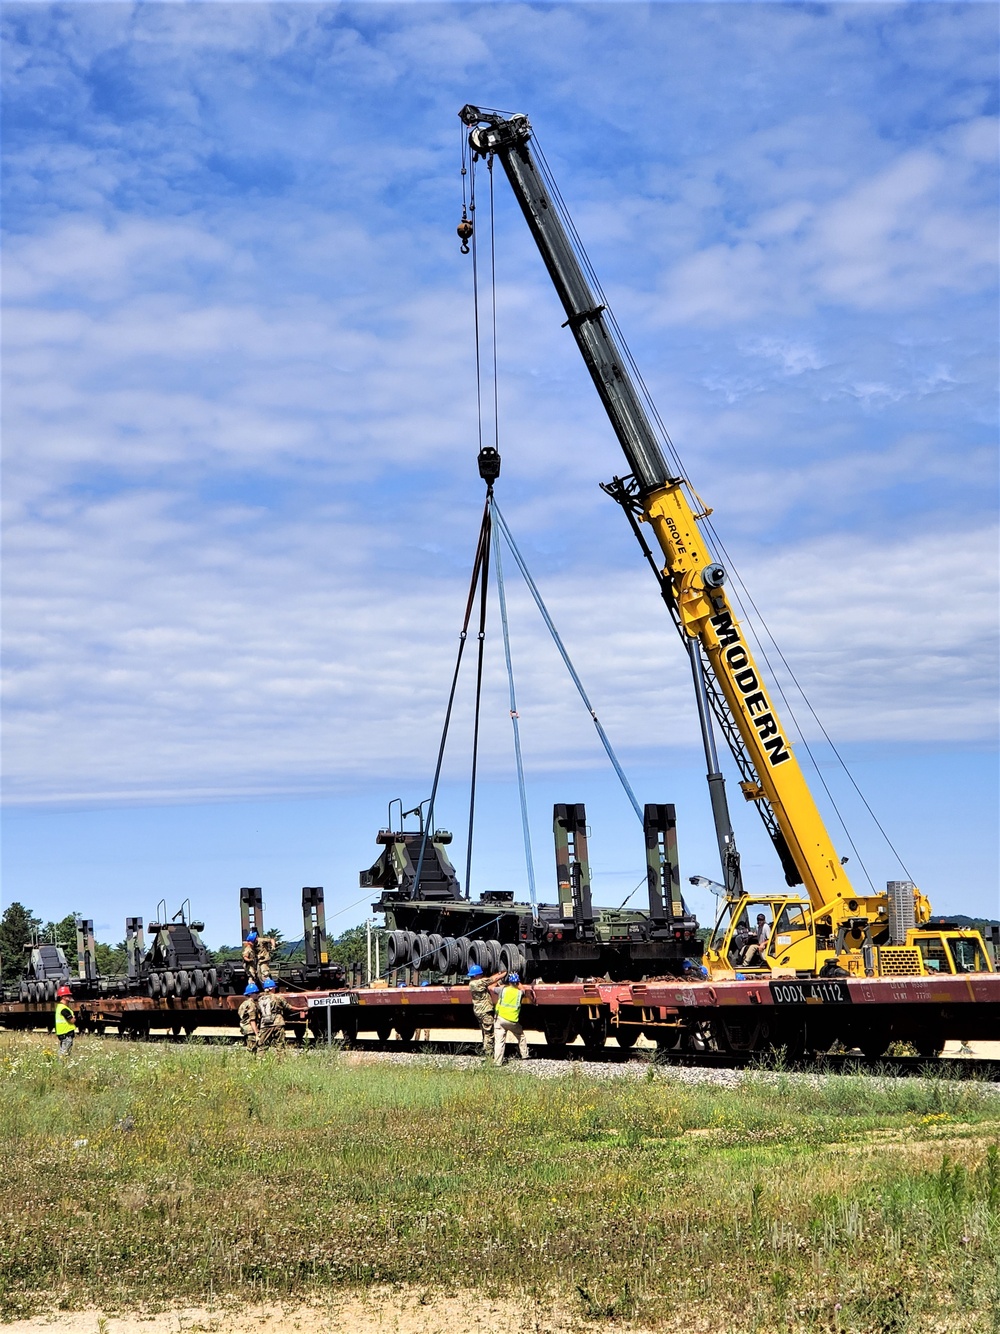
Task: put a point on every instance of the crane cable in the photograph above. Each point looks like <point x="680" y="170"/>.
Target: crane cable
<point x="482" y="546"/>
<point x="501" y="525"/>
<point x="514" y="719"/>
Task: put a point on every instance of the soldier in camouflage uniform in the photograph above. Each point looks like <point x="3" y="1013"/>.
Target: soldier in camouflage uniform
<point x="249" y="1016"/>
<point x="250" y="958"/>
<point x="482" y="1004"/>
<point x="265" y="948"/>
<point x="271" y="1025"/>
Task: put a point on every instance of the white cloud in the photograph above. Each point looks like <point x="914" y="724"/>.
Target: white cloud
<point x="239" y="405"/>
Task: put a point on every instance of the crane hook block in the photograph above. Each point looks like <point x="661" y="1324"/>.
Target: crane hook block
<point x="489" y="464"/>
<point x="464" y="230"/>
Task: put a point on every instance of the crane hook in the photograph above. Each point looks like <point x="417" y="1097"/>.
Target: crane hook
<point x="464" y="230"/>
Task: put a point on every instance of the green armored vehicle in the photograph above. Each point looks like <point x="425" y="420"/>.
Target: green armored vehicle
<point x="434" y="929"/>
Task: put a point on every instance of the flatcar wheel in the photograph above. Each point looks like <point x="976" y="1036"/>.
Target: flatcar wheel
<point x="873" y="1043"/>
<point x="701" y="1037"/>
<point x="383" y="1031"/>
<point x="594" y="1031"/>
<point x="405" y="1030"/>
<point x="627" y="1037"/>
<point x="929" y="1046"/>
<point x="666" y="1039"/>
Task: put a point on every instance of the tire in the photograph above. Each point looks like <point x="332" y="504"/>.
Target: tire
<point x="397" y="949"/>
<point x="22" y="992"/>
<point x="211" y="982"/>
<point x="480" y="952"/>
<point x="496" y="956"/>
<point x="32" y="994"/>
<point x="198" y="982"/>
<point x="167" y="987"/>
<point x="443" y="957"/>
<point x="511" y="958"/>
<point x="422" y="953"/>
<point x="454" y="953"/>
<point x="436" y="943"/>
<point x="155" y="986"/>
<point x="462" y="945"/>
<point x="183" y="982"/>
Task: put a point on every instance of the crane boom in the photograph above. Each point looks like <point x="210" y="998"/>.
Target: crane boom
<point x="693" y="582"/>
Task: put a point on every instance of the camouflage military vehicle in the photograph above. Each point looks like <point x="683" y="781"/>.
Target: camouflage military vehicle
<point x="434" y="929"/>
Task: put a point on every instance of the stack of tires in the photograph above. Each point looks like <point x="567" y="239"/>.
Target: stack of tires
<point x="450" y="954"/>
<point x="37" y="993"/>
<point x="185" y="982"/>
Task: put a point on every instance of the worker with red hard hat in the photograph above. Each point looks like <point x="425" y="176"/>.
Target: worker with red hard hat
<point x="65" y="1025"/>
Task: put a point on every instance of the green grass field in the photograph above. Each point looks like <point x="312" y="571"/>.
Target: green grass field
<point x="179" y="1173"/>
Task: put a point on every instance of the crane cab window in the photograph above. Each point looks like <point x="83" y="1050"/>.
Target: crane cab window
<point x="793" y="924"/>
<point x="934" y="954"/>
<point x="968" y="955"/>
<point x="750" y="936"/>
<point x="721" y="927"/>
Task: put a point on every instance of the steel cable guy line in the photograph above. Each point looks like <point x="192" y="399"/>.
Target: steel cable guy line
<point x="484" y="538"/>
<point x="513" y="716"/>
<point x="483" y="600"/>
<point x="501" y="524"/>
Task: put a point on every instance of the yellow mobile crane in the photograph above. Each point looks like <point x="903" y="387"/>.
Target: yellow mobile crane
<point x="833" y="930"/>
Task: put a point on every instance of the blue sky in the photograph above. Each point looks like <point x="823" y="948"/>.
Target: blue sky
<point x="239" y="416"/>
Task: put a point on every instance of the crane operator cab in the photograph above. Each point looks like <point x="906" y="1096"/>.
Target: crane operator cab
<point x="756" y="935"/>
<point x="775" y="936"/>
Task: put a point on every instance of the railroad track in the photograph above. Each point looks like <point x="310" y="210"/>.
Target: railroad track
<point x="853" y="1063"/>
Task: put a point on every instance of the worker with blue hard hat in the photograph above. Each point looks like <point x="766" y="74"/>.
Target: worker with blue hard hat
<point x="249" y="1016"/>
<point x="482" y="1003"/>
<point x="273" y="1008"/>
<point x="508" y="1019"/>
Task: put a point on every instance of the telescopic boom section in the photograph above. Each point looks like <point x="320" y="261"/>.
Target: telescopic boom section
<point x="694" y="581"/>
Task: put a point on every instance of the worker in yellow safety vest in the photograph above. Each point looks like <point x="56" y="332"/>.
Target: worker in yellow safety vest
<point x="65" y="1021"/>
<point x="508" y="1019"/>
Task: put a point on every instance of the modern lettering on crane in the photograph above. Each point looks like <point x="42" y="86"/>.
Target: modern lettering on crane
<point x="745" y="679"/>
